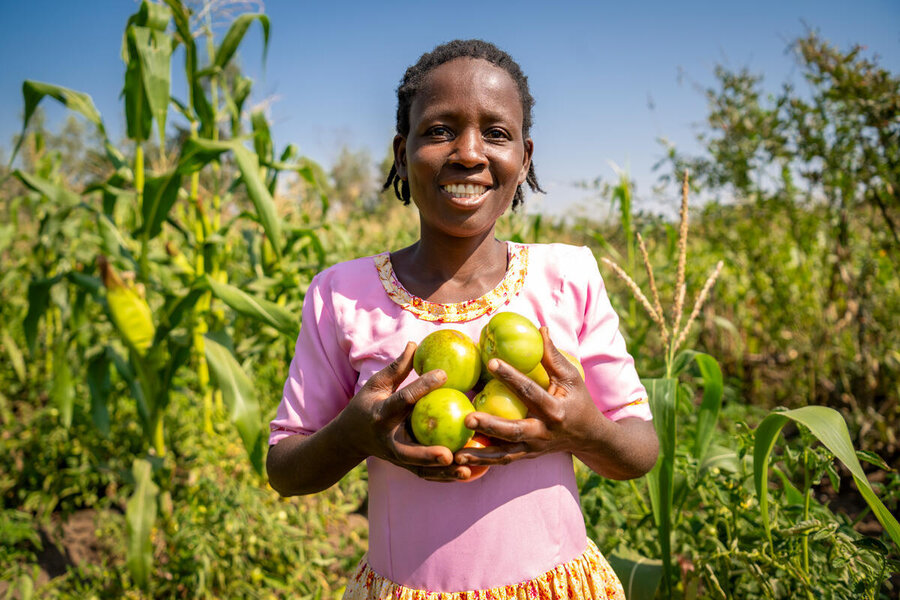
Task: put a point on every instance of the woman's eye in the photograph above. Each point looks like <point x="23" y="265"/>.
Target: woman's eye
<point x="439" y="131"/>
<point x="496" y="134"/>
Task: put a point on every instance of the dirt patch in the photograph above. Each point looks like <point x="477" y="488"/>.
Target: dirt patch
<point x="65" y="545"/>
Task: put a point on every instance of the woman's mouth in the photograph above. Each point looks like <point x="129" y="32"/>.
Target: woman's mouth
<point x="466" y="194"/>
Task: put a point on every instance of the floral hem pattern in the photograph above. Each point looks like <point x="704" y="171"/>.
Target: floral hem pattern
<point x="587" y="577"/>
<point x="460" y="311"/>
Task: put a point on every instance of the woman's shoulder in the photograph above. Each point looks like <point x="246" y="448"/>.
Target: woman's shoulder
<point x="555" y="250"/>
<point x="352" y="273"/>
<point x="558" y="260"/>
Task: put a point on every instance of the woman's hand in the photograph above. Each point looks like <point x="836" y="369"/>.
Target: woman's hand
<point x="561" y="418"/>
<point x="377" y="416"/>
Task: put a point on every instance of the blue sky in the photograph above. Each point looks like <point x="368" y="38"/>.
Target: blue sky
<point x="595" y="68"/>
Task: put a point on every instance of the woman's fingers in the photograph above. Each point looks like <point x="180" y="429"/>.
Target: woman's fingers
<point x="434" y="463"/>
<point x="558" y="367"/>
<point x="498" y="454"/>
<point x="510" y="430"/>
<point x="528" y="390"/>
<point x="390" y="377"/>
<point x="399" y="405"/>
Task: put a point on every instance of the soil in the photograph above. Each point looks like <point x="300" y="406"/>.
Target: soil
<point x="64" y="546"/>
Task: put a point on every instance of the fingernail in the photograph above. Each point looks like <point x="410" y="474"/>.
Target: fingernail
<point x="493" y="364"/>
<point x="462" y="460"/>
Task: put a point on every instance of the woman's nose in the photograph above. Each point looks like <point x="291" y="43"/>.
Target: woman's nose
<point x="469" y="149"/>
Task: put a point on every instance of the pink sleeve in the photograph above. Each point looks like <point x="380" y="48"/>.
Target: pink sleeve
<point x="321" y="380"/>
<point x="609" y="368"/>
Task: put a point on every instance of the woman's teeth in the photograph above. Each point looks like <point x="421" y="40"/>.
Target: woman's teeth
<point x="465" y="190"/>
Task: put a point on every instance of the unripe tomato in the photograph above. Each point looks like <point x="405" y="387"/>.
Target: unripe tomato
<point x="438" y="419"/>
<point x="539" y="373"/>
<point x="497" y="399"/>
<point x="454" y="353"/>
<point x="512" y="338"/>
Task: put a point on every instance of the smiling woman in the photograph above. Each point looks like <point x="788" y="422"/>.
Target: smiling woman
<point x="465" y="154"/>
<point x="461" y="153"/>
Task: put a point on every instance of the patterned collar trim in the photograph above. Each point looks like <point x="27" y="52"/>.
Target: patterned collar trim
<point x="460" y="311"/>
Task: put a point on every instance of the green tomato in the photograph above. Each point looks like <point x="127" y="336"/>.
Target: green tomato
<point x="497" y="399"/>
<point x="539" y="373"/>
<point x="513" y="338"/>
<point x="438" y="419"/>
<point x="454" y="353"/>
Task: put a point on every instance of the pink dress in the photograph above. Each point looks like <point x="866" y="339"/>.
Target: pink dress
<point x="517" y="521"/>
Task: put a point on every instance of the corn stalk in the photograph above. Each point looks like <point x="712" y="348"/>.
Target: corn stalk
<point x="161" y="309"/>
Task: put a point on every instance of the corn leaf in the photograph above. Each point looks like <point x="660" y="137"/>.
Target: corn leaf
<point x="160" y="194"/>
<point x="829" y="427"/>
<point x="262" y="137"/>
<point x="140" y="515"/>
<point x="154" y="16"/>
<point x="99" y="385"/>
<point x="720" y="457"/>
<point x="126" y="372"/>
<point x="62" y="390"/>
<point x="57" y="194"/>
<point x="38" y="301"/>
<point x="248" y="163"/>
<point x="639" y="575"/>
<point x="239" y="395"/>
<point x="174" y="312"/>
<point x="257" y="308"/>
<point x="138" y="115"/>
<point x="111" y="240"/>
<point x="713" y="391"/>
<point x="713" y="387"/>
<point x="663" y="395"/>
<point x="35" y="91"/>
<point x="16" y="359"/>
<point x="198" y="152"/>
<point x="154" y="53"/>
<point x="235" y="34"/>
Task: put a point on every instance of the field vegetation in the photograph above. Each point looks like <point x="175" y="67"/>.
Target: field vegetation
<point x="150" y="295"/>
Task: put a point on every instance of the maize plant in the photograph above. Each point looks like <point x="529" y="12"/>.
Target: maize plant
<point x="155" y="261"/>
<point x="668" y="482"/>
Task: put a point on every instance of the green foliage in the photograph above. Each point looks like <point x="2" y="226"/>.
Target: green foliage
<point x="200" y="231"/>
<point x="819" y="166"/>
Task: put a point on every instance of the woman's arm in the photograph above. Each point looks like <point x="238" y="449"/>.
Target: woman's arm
<point x="563" y="418"/>
<point x="372" y="424"/>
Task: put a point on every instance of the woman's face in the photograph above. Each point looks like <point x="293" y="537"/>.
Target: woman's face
<point x="465" y="155"/>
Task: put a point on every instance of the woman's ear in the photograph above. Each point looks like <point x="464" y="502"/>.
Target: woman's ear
<point x="400" y="156"/>
<point x="526" y="162"/>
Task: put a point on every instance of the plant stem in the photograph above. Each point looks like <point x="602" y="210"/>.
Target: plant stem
<point x="806" y="497"/>
<point x="159" y="440"/>
<point x="139" y="197"/>
<point x="640" y="497"/>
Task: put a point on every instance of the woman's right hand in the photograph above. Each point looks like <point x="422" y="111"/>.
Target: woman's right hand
<point x="376" y="418"/>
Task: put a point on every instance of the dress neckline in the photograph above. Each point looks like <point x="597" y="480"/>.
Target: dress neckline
<point x="457" y="312"/>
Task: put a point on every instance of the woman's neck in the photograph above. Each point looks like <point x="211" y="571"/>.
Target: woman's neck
<point x="447" y="270"/>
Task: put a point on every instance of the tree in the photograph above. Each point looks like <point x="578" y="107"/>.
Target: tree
<point x="812" y="219"/>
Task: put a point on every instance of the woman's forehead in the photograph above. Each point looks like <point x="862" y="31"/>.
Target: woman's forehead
<point x="468" y="81"/>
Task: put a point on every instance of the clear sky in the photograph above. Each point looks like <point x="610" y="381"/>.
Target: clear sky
<point x="609" y="78"/>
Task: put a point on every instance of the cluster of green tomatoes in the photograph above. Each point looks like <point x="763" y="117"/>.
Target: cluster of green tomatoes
<point x="438" y="418"/>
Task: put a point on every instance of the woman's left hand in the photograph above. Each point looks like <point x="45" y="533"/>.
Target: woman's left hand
<point x="562" y="418"/>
